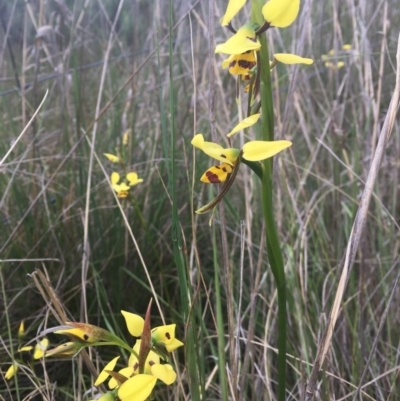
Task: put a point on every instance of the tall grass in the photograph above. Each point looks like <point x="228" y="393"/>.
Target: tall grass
<point x="156" y="84"/>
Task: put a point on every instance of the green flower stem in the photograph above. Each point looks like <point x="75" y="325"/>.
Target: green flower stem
<point x="277" y="267"/>
<point x="273" y="245"/>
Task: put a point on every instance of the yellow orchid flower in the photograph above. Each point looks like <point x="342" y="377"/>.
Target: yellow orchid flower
<point x="288" y="58"/>
<point x="281" y="13"/>
<point x="137" y="388"/>
<point x="243" y="40"/>
<point x="252" y="151"/>
<point x="133" y="179"/>
<point x="161" y="334"/>
<point x="331" y="58"/>
<point x="122" y="188"/>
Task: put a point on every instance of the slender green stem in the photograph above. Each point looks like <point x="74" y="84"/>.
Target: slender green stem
<point x="273" y="245"/>
<point x="220" y="323"/>
<point x="277" y="267"/>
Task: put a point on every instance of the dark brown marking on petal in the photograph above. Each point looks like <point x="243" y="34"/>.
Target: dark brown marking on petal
<point x="213" y="178"/>
<point x="252" y="39"/>
<point x="85" y="337"/>
<point x="246" y="64"/>
<point x="232" y="63"/>
<point x="222" y="155"/>
<point x="136" y="366"/>
<point x="224" y="169"/>
<point x="168" y="335"/>
<point x="151" y="363"/>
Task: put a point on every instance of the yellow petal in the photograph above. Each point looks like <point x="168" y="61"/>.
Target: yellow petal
<point x="216" y="174"/>
<point x="260" y="150"/>
<point x="227" y="61"/>
<point x="287" y="58"/>
<point x="199" y="142"/>
<point x="243" y="40"/>
<point x="246" y="123"/>
<point x="21" y="330"/>
<point x="125" y="137"/>
<point x="134" y="323"/>
<point x="11" y="371"/>
<point x="103" y="374"/>
<point x="233" y="8"/>
<point x="133" y="179"/>
<point x="242" y="64"/>
<point x="68" y="349"/>
<point x="40" y="348"/>
<point x="228" y="155"/>
<point x="172" y="346"/>
<point x="165" y="373"/>
<point x="112" y="158"/>
<point x="137" y="388"/>
<point x="281" y="13"/>
<point x="163" y="334"/>
<point x="114" y="178"/>
<point x="26" y="348"/>
<point x="127" y="372"/>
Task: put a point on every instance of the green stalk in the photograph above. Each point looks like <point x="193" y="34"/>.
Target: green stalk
<point x="220" y="323"/>
<point x="273" y="245"/>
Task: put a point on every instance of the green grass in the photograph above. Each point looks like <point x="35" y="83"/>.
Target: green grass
<point x="331" y="116"/>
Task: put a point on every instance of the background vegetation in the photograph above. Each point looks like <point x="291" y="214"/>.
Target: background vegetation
<point x="103" y="82"/>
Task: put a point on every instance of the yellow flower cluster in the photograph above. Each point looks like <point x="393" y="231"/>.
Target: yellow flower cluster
<point x="243" y="61"/>
<point x="122" y="186"/>
<point x="147" y="363"/>
<point x="26" y="352"/>
<point x="331" y="59"/>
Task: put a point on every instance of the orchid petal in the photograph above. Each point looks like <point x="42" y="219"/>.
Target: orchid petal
<point x="281" y="13"/>
<point x="112" y="158"/>
<point x="165" y="373"/>
<point x="103" y="374"/>
<point x="134" y="323"/>
<point x="260" y="150"/>
<point x="234" y="6"/>
<point x="246" y="123"/>
<point x="137" y="388"/>
<point x="287" y="58"/>
<point x="243" y="40"/>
